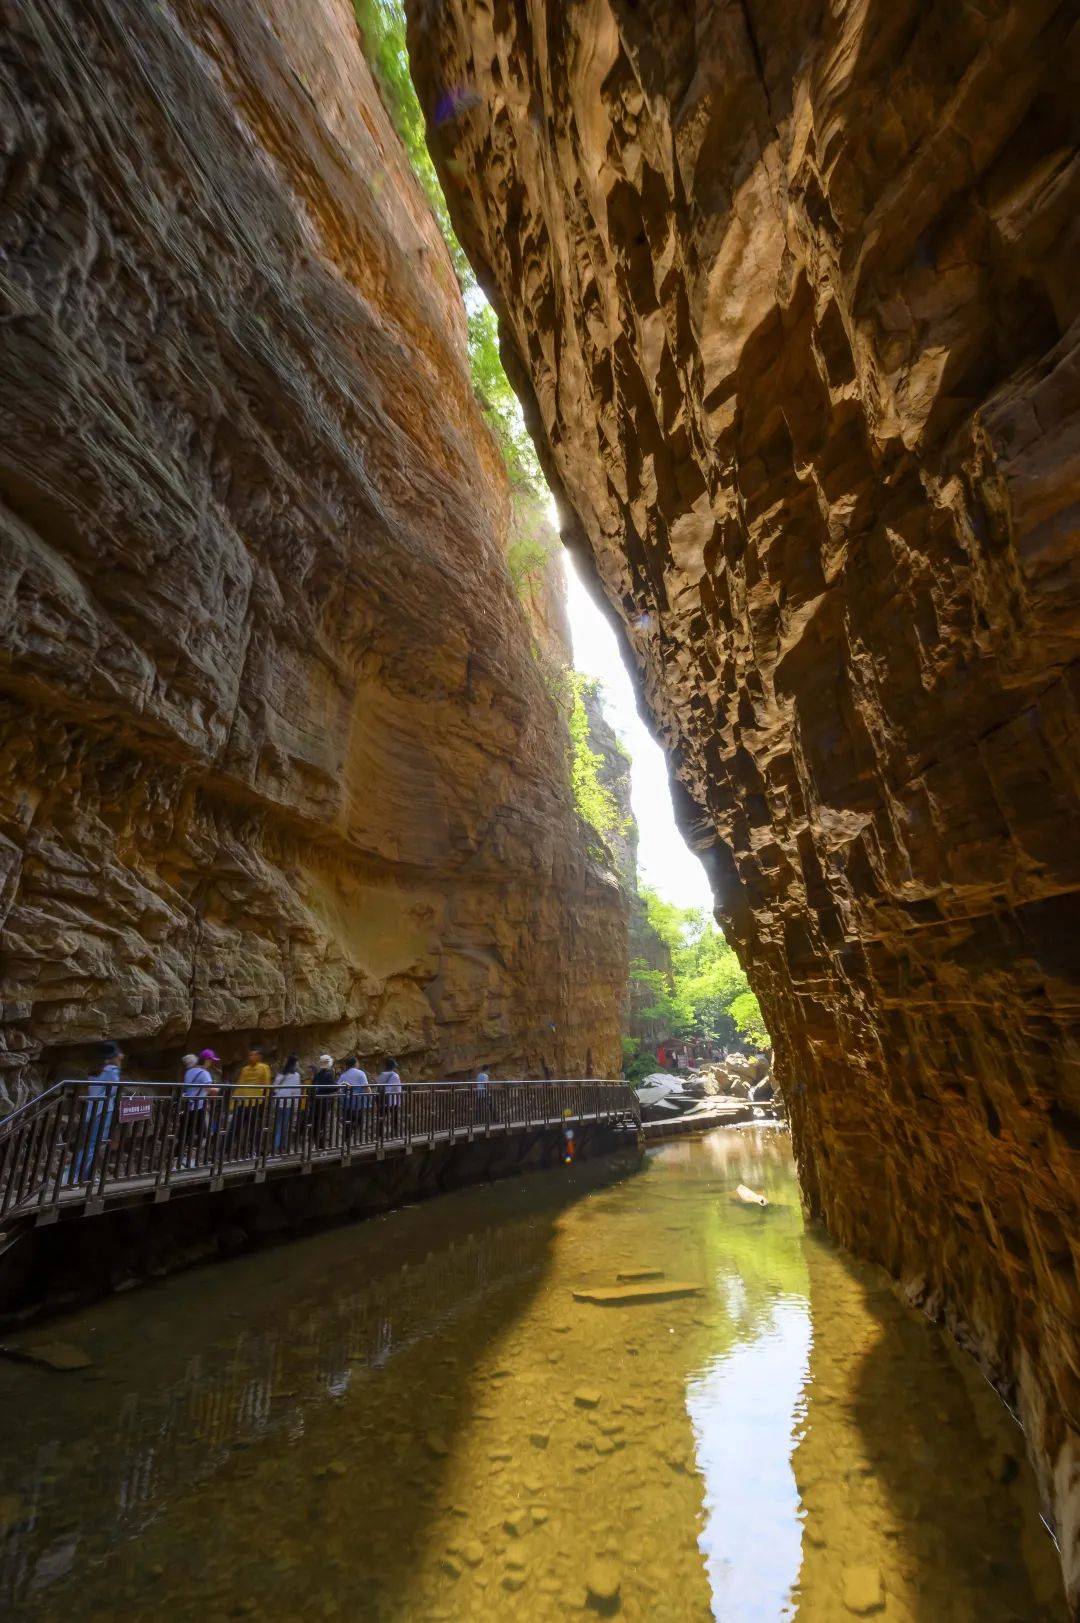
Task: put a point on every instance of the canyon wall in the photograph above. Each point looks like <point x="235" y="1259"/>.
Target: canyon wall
<point x="789" y="294"/>
<point x="276" y="753"/>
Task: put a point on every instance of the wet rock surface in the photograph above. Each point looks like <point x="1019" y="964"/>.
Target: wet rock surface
<point x="790" y="295"/>
<point x="275" y="751"/>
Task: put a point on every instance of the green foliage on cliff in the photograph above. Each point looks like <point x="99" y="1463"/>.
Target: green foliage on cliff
<point x="596" y="804"/>
<point x="528" y="558"/>
<point x="382" y="31"/>
<point x="499" y="403"/>
<point x="708" y="995"/>
<point x="746" y="1013"/>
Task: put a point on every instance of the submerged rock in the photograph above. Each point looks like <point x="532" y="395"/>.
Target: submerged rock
<point x="862" y="1590"/>
<point x="628" y="1295"/>
<point x="58" y="1355"/>
<point x="603" y="1581"/>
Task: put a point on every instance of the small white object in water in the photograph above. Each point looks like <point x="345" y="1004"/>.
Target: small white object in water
<point x="750" y="1196"/>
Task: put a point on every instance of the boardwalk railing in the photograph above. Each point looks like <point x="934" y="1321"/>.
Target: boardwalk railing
<point x="83" y="1144"/>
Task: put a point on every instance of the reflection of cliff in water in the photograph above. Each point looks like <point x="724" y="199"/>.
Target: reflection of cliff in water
<point x="87" y="1460"/>
<point x="909" y="1466"/>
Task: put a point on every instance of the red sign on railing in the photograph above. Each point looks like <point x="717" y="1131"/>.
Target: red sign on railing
<point x="136" y="1108"/>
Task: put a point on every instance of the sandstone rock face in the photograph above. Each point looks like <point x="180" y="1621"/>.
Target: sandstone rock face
<point x="276" y="754"/>
<point x="790" y="294"/>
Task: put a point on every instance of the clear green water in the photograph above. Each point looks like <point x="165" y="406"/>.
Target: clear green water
<point x="388" y="1422"/>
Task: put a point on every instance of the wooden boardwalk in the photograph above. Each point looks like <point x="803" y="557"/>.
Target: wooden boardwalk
<point x="86" y="1147"/>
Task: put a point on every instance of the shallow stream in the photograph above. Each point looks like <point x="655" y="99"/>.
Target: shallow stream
<point x="413" y="1418"/>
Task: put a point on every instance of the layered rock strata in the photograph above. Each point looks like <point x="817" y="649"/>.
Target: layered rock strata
<point x="790" y="296"/>
<point x="276" y="754"/>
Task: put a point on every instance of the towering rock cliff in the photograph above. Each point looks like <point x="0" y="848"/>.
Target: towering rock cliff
<point x="790" y="295"/>
<point x="276" y="755"/>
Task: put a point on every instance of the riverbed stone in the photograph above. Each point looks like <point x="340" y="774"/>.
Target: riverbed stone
<point x="588" y="1397"/>
<point x="630" y="1295"/>
<point x="13" y="1510"/>
<point x="59" y="1355"/>
<point x="863" y="1590"/>
<point x="603" y="1581"/>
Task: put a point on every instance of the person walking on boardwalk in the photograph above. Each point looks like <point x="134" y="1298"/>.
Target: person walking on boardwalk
<point x="483" y="1098"/>
<point x="198" y="1086"/>
<point x="388" y="1083"/>
<point x="287" y="1094"/>
<point x="94" y="1125"/>
<point x="251" y="1089"/>
<point x="323" y="1088"/>
<point x="355" y="1094"/>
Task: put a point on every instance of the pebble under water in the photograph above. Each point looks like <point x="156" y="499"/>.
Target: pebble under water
<point x="412" y="1418"/>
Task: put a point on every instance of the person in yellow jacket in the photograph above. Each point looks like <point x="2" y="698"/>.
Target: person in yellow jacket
<point x="252" y="1086"/>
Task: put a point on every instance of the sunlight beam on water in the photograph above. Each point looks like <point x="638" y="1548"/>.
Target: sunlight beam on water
<point x="752" y="1538"/>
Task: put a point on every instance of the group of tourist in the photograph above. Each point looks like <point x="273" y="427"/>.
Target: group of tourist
<point x="299" y="1102"/>
<point x="293" y="1094"/>
<point x="255" y="1077"/>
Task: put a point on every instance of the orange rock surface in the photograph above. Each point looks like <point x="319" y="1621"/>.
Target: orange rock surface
<point x="790" y="293"/>
<point x="276" y="755"/>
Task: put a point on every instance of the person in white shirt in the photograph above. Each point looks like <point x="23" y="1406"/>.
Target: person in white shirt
<point x="352" y="1078"/>
<point x="356" y="1092"/>
<point x="287" y="1087"/>
<point x="388" y="1083"/>
<point x="389" y="1080"/>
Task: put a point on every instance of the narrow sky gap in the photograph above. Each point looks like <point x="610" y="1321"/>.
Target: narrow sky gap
<point x="664" y="860"/>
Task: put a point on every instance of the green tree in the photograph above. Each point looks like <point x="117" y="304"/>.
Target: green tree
<point x="595" y="804"/>
<point x="709" y="995"/>
<point x="746" y="1013"/>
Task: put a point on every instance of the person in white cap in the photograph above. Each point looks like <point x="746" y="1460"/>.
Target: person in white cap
<point x="198" y="1086"/>
<point x="323" y="1087"/>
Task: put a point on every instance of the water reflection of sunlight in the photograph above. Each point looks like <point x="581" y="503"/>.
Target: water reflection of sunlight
<point x="752" y="1538"/>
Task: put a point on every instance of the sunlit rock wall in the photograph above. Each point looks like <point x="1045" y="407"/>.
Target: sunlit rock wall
<point x="276" y="756"/>
<point x="790" y="293"/>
